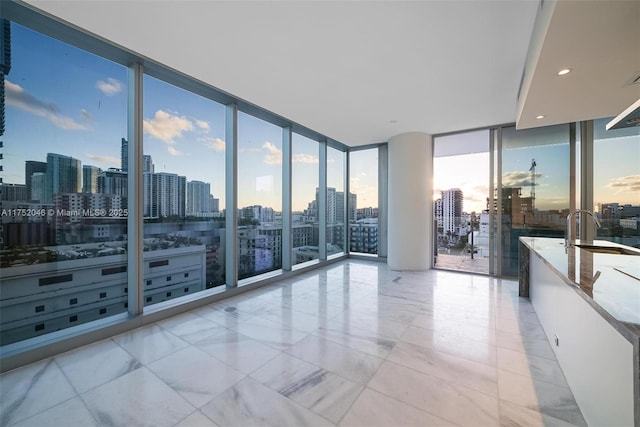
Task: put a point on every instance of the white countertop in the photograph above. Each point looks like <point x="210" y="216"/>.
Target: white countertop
<point x="608" y="279"/>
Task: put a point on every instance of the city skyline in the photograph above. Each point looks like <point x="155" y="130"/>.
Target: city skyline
<point x="80" y="104"/>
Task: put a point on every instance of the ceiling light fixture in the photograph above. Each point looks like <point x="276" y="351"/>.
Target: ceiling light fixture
<point x="564" y="71"/>
<point x="539" y="117"/>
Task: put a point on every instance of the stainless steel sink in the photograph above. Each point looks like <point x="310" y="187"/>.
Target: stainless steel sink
<point x="613" y="250"/>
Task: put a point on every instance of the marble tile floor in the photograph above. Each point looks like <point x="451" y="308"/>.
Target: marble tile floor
<point x="351" y="344"/>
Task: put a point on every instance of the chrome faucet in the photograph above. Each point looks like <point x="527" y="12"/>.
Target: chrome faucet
<point x="568" y="238"/>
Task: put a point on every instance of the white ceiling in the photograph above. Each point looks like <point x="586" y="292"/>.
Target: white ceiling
<point x="356" y="71"/>
<point x="600" y="42"/>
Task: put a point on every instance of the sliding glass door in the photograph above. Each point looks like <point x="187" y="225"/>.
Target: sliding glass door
<point x="461" y="194"/>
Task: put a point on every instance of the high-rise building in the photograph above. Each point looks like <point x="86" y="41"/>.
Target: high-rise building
<point x="147" y="190"/>
<point x="335" y="206"/>
<point x="13" y="192"/>
<point x="214" y="204"/>
<point x="352" y="207"/>
<point x="38" y="181"/>
<point x="198" y="198"/>
<point x="452" y="202"/>
<point x="64" y="175"/>
<point x="5" y="64"/>
<point x="438" y="213"/>
<point x="112" y="181"/>
<point x="124" y="155"/>
<point x="90" y="178"/>
<point x="168" y="195"/>
<point x="258" y="213"/>
<point x="31" y="167"/>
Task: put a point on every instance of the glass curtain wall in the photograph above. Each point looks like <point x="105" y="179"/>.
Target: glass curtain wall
<point x="63" y="191"/>
<point x="461" y="167"/>
<point x="363" y="201"/>
<point x="305" y="186"/>
<point x="535" y="188"/>
<point x="259" y="196"/>
<point x="65" y="172"/>
<point x="616" y="183"/>
<point x="183" y="179"/>
<point x="336" y="218"/>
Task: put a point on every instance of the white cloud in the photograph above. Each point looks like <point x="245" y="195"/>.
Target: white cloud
<point x="274" y="154"/>
<point x="305" y="158"/>
<point x="172" y="150"/>
<point x="203" y="125"/>
<point x="110" y="87"/>
<point x="17" y="97"/>
<point x="86" y="116"/>
<point x="104" y="159"/>
<point x="518" y="179"/>
<point x="629" y="183"/>
<point x="216" y="144"/>
<point x="166" y="126"/>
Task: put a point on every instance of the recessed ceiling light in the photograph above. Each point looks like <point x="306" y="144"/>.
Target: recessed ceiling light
<point x="564" y="71"/>
<point x="539" y="117"/>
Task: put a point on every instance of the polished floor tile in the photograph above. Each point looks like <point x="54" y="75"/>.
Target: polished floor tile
<point x="96" y="364"/>
<point x="72" y="412"/>
<point x="149" y="343"/>
<point x="549" y="399"/>
<point x="250" y="403"/>
<point x="454" y="403"/>
<point x="242" y="353"/>
<point x="321" y="391"/>
<point x="350" y="344"/>
<point x="373" y="409"/>
<point x="31" y="389"/>
<point x="453" y="369"/>
<point x="195" y="375"/>
<point x="190" y="327"/>
<point x="351" y="364"/>
<point x="138" y="398"/>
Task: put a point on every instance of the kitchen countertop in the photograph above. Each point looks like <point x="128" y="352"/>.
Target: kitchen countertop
<point x="611" y="282"/>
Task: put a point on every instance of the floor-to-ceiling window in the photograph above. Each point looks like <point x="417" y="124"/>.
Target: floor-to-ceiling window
<point x="336" y="203"/>
<point x="535" y="188"/>
<point x="363" y="201"/>
<point x="616" y="183"/>
<point x="63" y="196"/>
<point x="461" y="167"/>
<point x="184" y="179"/>
<point x="259" y="196"/>
<point x="305" y="185"/>
<point x="79" y="133"/>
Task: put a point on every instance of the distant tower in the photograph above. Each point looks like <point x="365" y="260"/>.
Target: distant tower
<point x="532" y="169"/>
<point x="64" y="175"/>
<point x="452" y="204"/>
<point x="5" y="64"/>
<point x="124" y="155"/>
<point x="90" y="178"/>
<point x="32" y="167"/>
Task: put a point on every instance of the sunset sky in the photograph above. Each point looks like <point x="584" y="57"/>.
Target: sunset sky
<point x="76" y="105"/>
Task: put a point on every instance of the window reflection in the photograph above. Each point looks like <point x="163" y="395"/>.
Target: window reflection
<point x="63" y="239"/>
<point x="363" y="201"/>
<point x="336" y="215"/>
<point x="616" y="183"/>
<point x="259" y="196"/>
<point x="304" y="183"/>
<point x="183" y="176"/>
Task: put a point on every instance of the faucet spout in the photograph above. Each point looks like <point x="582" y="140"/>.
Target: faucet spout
<point x="568" y="237"/>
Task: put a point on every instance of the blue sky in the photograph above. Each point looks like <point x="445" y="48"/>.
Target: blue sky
<point x="63" y="100"/>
